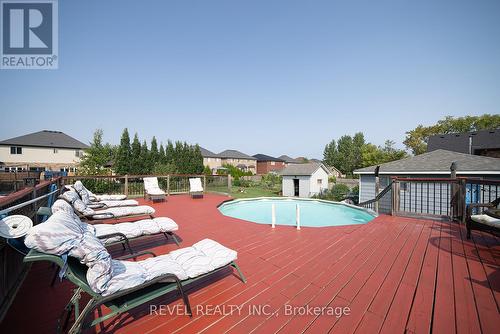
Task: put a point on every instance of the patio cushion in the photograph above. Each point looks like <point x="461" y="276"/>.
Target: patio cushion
<point x="136" y="229"/>
<point x="151" y="186"/>
<point x="113" y="204"/>
<point x="106" y="197"/>
<point x="203" y="257"/>
<point x="62" y="234"/>
<point x="195" y="185"/>
<point x="486" y="220"/>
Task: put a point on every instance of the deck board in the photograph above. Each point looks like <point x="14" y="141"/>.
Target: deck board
<point x="395" y="274"/>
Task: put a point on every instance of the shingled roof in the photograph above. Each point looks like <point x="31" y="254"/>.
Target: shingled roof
<point x="233" y="154"/>
<point x="208" y="154"/>
<point x="46" y="138"/>
<point x="438" y="162"/>
<point x="263" y="157"/>
<point x="459" y="142"/>
<point x="304" y="169"/>
<point x="288" y="159"/>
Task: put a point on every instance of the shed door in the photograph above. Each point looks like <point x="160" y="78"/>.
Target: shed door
<point x="296" y="187"/>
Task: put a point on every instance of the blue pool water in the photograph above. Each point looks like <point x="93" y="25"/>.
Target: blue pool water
<point x="312" y="213"/>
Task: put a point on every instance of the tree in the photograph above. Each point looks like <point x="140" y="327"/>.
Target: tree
<point x="345" y="154"/>
<point x="161" y="155"/>
<point x="135" y="157"/>
<point x="153" y="153"/>
<point x="416" y="139"/>
<point x="96" y="156"/>
<point x="372" y="155"/>
<point x="122" y="160"/>
<point x="145" y="159"/>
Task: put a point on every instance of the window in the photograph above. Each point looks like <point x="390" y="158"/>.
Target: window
<point x="16" y="150"/>
<point x="78" y="153"/>
<point x="320" y="181"/>
<point x="273" y="163"/>
<point x="55" y="150"/>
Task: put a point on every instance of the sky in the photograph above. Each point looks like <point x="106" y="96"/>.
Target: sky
<point x="272" y="77"/>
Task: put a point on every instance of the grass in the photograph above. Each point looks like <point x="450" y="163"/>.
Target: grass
<point x="246" y="192"/>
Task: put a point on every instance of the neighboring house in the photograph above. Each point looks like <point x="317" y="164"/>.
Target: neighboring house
<point x="484" y="142"/>
<point x="39" y="151"/>
<point x="335" y="172"/>
<point x="435" y="164"/>
<point x="266" y="164"/>
<point x="288" y="160"/>
<point x="305" y="180"/>
<point x="211" y="159"/>
<point x="238" y="159"/>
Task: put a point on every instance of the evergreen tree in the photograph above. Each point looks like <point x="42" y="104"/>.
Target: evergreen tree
<point x="154" y="155"/>
<point x="122" y="160"/>
<point x="145" y="158"/>
<point x="170" y="153"/>
<point x="136" y="164"/>
<point x="161" y="155"/>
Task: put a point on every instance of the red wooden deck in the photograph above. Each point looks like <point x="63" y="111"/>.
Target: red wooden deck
<point x="394" y="274"/>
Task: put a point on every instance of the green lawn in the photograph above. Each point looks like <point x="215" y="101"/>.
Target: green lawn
<point x="244" y="192"/>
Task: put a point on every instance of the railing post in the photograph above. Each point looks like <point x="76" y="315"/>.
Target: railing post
<point x="126" y="185"/>
<point x="462" y="199"/>
<point x="168" y="185"/>
<point x="297" y="211"/>
<point x="273" y="215"/>
<point x="204" y="183"/>
<point x="229" y="181"/>
<point x="395" y="188"/>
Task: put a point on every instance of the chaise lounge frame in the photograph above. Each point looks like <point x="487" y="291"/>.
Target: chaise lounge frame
<point x="473" y="225"/>
<point x="121" y="301"/>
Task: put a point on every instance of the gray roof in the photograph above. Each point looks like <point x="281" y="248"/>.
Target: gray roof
<point x="46" y="138"/>
<point x="233" y="154"/>
<point x="459" y="142"/>
<point x="437" y="162"/>
<point x="207" y="154"/>
<point x="263" y="157"/>
<point x="288" y="159"/>
<point x="303" y="169"/>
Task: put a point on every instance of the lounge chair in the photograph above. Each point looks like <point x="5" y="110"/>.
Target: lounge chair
<point x="87" y="213"/>
<point x="195" y="187"/>
<point x="85" y="196"/>
<point x="152" y="190"/>
<point x="119" y="285"/>
<point x="124" y="233"/>
<point x="101" y="197"/>
<point x="482" y="221"/>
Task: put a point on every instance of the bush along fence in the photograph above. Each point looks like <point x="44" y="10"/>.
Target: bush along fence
<point x="133" y="185"/>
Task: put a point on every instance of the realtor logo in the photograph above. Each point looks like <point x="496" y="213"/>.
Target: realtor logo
<point x="29" y="34"/>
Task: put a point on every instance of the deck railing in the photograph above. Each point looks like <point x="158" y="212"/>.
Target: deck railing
<point x="24" y="202"/>
<point x="133" y="185"/>
<point x="443" y="198"/>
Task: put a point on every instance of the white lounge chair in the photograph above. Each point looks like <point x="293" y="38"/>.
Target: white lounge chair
<point x="195" y="187"/>
<point x="85" y="212"/>
<point x="152" y="190"/>
<point x="97" y="198"/>
<point x="86" y="197"/>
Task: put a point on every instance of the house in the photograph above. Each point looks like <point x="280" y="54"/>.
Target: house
<point x="266" y="164"/>
<point x="288" y="160"/>
<point x="335" y="172"/>
<point x="238" y="159"/>
<point x="211" y="159"/>
<point x="484" y="142"/>
<point x="42" y="150"/>
<point x="434" y="164"/>
<point x="305" y="180"/>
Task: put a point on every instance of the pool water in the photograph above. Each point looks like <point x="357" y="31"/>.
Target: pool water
<point x="313" y="213"/>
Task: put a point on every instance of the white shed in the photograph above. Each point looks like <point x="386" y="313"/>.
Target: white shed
<point x="305" y="180"/>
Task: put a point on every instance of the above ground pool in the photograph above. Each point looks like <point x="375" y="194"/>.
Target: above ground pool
<point x="313" y="213"/>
